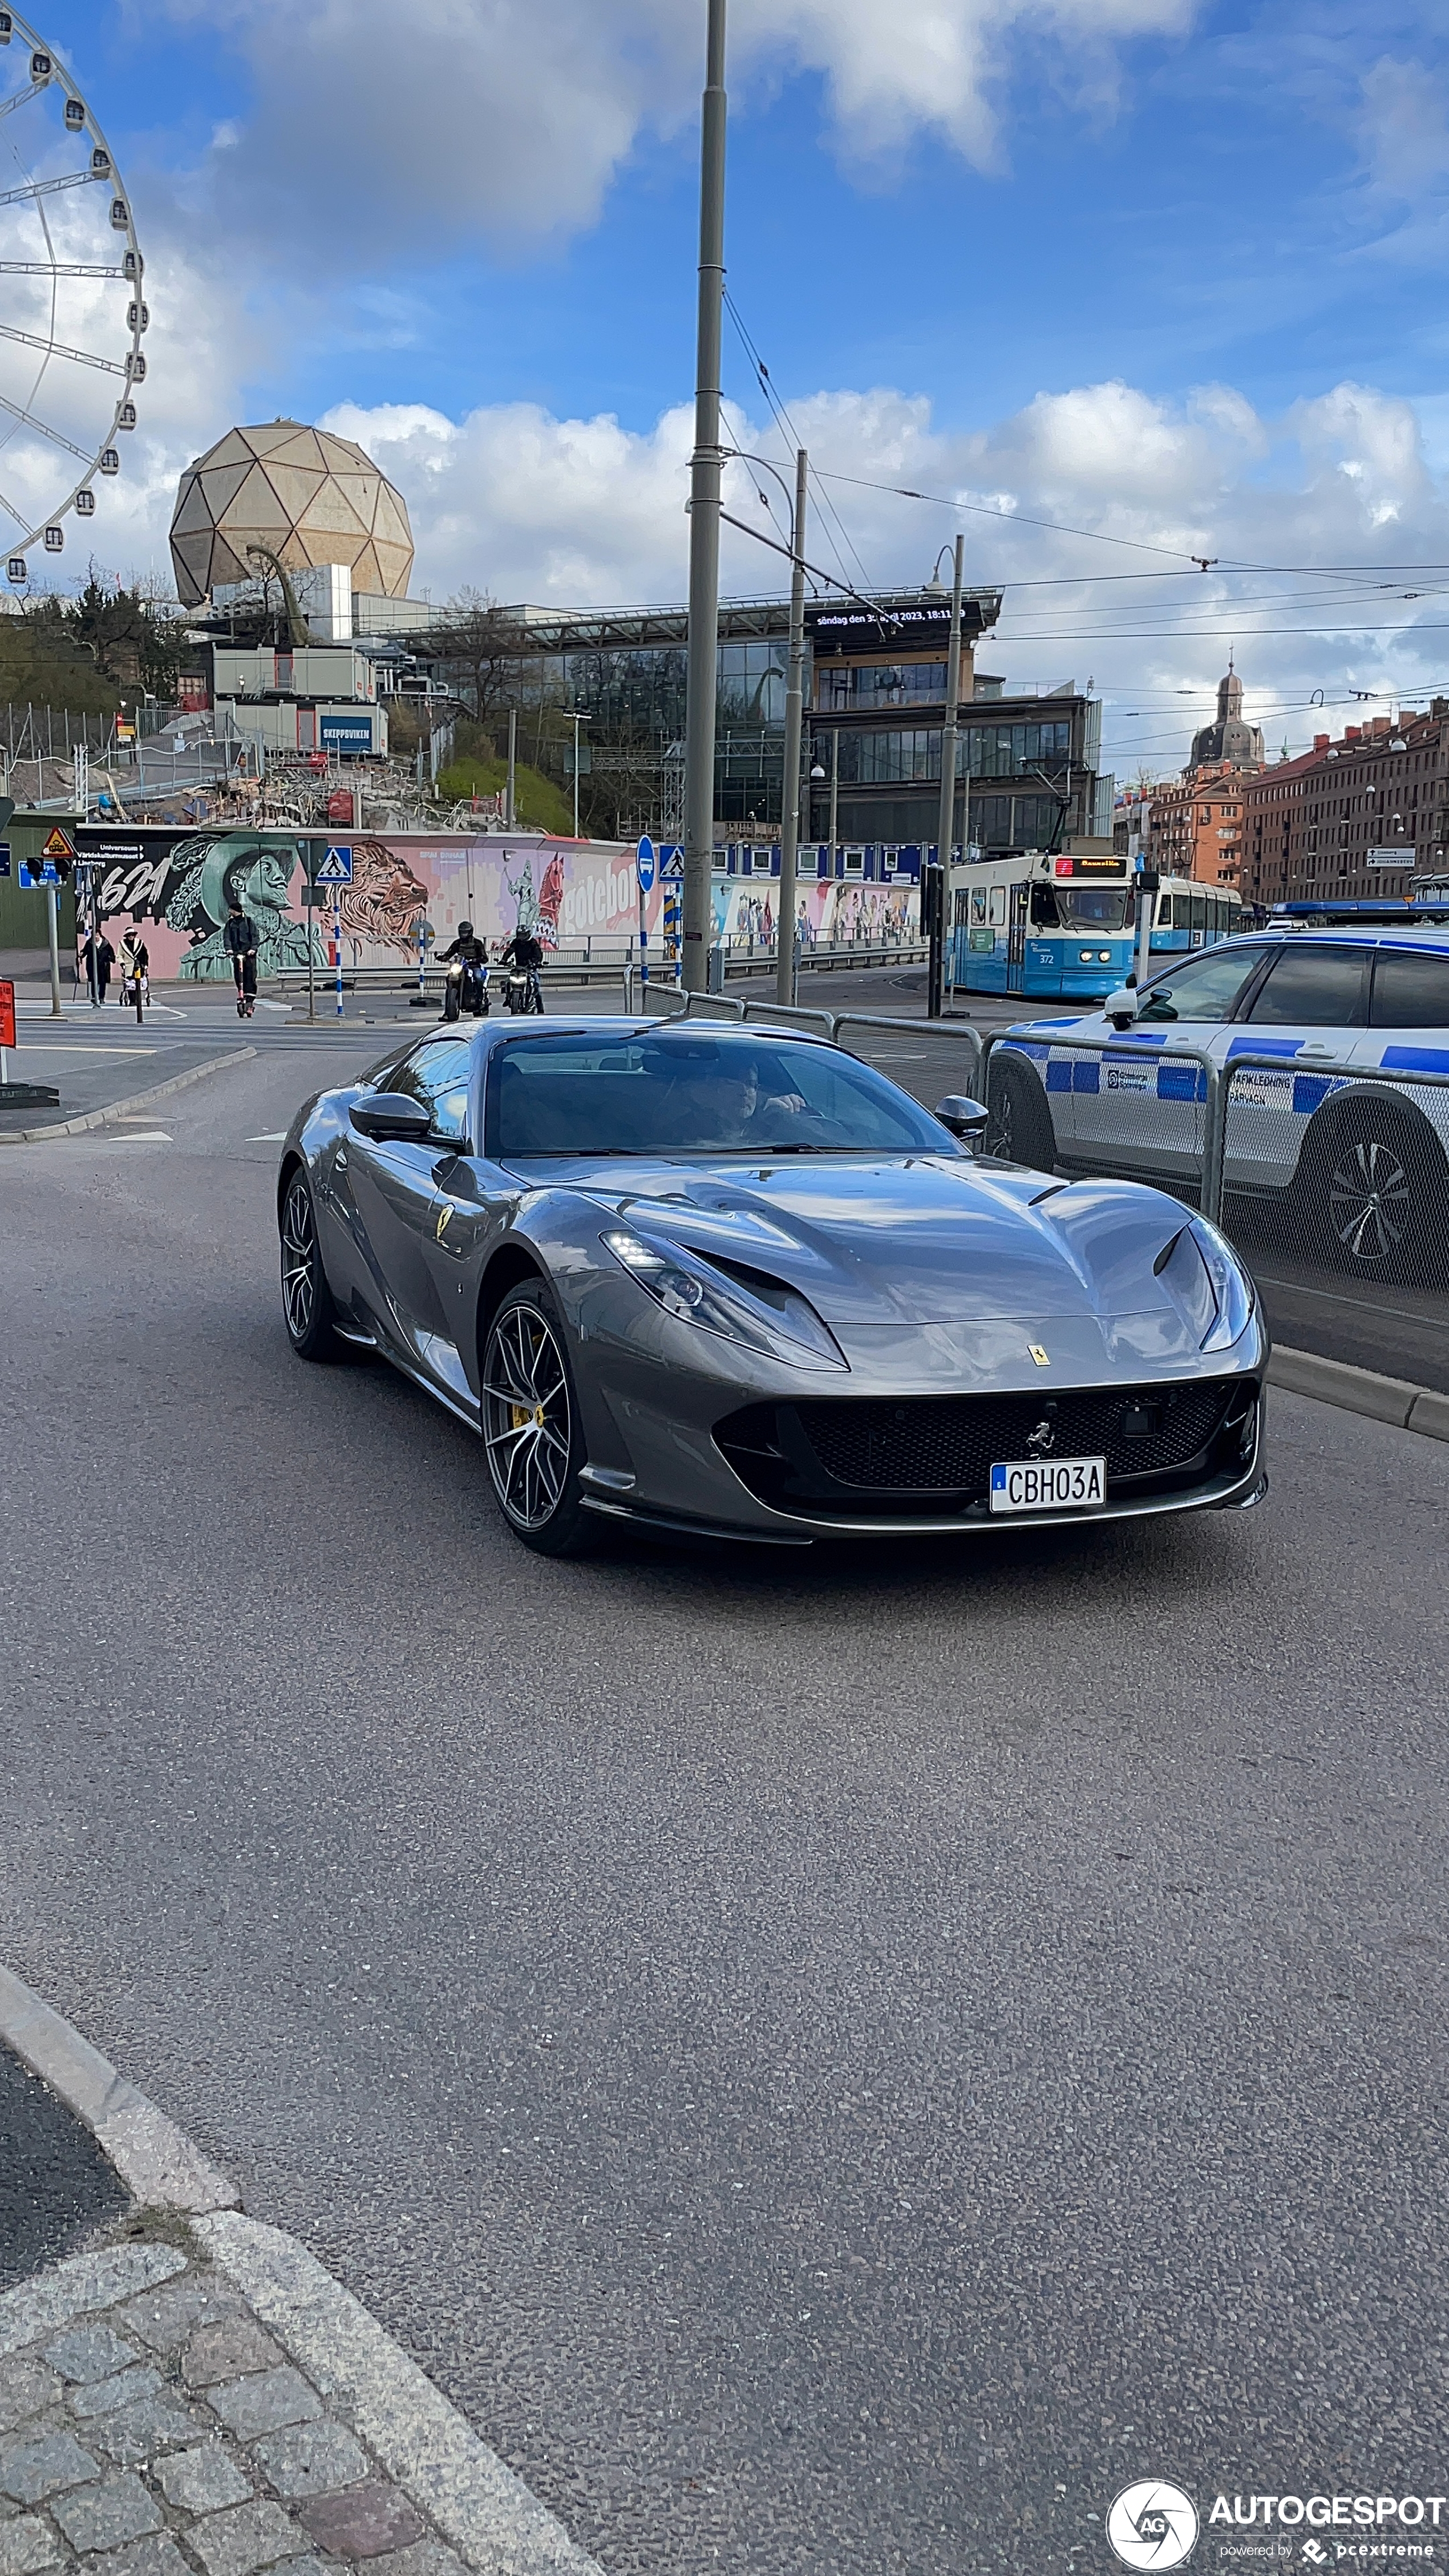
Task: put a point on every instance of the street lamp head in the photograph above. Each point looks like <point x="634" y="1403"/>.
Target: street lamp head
<point x="817" y="769"/>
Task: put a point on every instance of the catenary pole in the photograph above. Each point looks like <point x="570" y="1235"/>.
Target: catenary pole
<point x="704" y="509"/>
<point x="794" y="700"/>
<point x="508" y="812"/>
<point x="946" y="818"/>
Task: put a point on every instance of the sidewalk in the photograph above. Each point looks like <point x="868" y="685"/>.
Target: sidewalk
<point x="191" y="2393"/>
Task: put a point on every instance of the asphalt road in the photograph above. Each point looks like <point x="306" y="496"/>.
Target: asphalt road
<point x="834" y="2065"/>
<point x="56" y="2187"/>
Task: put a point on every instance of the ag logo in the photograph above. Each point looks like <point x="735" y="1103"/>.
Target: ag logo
<point x="1152" y="2525"/>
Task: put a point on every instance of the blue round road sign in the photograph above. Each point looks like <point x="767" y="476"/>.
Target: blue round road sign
<point x="644" y="860"/>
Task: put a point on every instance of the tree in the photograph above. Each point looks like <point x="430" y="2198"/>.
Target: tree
<point x="475" y="646"/>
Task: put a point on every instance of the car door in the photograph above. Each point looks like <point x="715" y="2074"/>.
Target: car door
<point x="1310" y="1008"/>
<point x="394" y="1192"/>
<point x="1134" y="1112"/>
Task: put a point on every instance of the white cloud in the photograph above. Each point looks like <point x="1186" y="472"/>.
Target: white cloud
<point x="578" y="512"/>
<point x="1404" y="125"/>
<point x="513" y="116"/>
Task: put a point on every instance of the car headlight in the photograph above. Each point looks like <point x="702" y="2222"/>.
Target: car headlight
<point x="1209" y="1283"/>
<point x="766" y="1316"/>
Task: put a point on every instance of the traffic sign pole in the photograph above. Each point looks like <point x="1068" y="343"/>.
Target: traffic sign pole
<point x="644" y="864"/>
<point x="53" y="929"/>
<point x="337" y="941"/>
<point x="7" y="1030"/>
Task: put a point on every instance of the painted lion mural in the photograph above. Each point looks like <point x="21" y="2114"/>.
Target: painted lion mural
<point x="385" y="901"/>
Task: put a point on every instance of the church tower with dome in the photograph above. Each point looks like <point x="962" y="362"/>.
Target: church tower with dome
<point x="1229" y="743"/>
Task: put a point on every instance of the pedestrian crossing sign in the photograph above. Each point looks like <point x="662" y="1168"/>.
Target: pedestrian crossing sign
<point x="336" y="869"/>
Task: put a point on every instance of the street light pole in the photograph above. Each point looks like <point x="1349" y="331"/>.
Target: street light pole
<point x="508" y="815"/>
<point x="704" y="509"/>
<point x="794" y="699"/>
<point x="576" y="725"/>
<point x="946" y="819"/>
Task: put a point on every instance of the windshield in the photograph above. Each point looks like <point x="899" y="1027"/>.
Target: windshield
<point x="1094" y="907"/>
<point x="695" y="1091"/>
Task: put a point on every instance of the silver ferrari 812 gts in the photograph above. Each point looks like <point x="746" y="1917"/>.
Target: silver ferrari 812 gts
<point x="731" y="1281"/>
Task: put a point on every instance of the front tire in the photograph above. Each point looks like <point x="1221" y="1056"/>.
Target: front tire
<point x="532" y="1434"/>
<point x="307" y="1304"/>
<point x="1018" y="1122"/>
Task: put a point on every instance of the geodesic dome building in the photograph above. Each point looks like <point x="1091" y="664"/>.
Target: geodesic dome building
<point x="309" y="496"/>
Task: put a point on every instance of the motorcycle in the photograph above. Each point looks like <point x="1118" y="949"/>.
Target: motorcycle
<point x="466" y="989"/>
<point x="522" y="991"/>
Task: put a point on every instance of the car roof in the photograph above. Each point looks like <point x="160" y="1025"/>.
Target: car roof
<point x="503" y="1032"/>
<point x="1414" y="934"/>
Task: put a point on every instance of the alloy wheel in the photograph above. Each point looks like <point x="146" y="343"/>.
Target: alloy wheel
<point x="1370" y="1198"/>
<point x="528" y="1423"/>
<point x="299" y="1261"/>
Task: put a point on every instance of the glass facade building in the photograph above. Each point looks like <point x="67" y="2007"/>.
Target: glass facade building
<point x="875" y="690"/>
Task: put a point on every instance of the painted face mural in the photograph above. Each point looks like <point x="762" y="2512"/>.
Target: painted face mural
<point x="208" y="874"/>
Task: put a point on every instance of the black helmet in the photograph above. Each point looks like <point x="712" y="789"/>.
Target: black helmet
<point x="465" y="930"/>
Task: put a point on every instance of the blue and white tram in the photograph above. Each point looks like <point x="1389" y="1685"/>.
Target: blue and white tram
<point x="1061" y="926"/>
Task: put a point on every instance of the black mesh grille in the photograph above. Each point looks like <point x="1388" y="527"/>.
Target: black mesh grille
<point x="845" y="1451"/>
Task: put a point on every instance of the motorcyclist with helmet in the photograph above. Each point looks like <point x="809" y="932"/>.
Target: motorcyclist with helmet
<point x="471" y="954"/>
<point x="522" y="957"/>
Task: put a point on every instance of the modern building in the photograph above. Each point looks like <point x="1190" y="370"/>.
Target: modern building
<point x="284" y="493"/>
<point x="875" y="693"/>
<point x="318" y="698"/>
<point x="1355" y="818"/>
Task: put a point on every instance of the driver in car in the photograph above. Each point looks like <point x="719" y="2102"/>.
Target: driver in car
<point x="721" y="1102"/>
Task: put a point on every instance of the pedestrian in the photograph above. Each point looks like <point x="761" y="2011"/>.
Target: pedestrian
<point x="239" y="938"/>
<point x="135" y="969"/>
<point x="97" y="959"/>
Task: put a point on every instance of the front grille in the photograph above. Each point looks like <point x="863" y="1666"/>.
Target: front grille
<point x="872" y="1452"/>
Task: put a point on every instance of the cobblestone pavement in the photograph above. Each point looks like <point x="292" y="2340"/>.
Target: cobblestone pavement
<point x="150" y="2426"/>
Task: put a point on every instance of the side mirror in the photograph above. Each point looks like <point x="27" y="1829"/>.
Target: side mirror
<point x="965" y="1118"/>
<point x="390" y="1117"/>
<point x="1121" y="1007"/>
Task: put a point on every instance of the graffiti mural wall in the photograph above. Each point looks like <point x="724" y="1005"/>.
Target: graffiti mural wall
<point x="179" y="885"/>
<point x="828" y="914"/>
<point x="567" y="893"/>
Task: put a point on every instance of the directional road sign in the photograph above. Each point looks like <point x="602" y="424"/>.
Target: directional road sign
<point x="336" y="868"/>
<point x="644" y="859"/>
<point x="38" y="872"/>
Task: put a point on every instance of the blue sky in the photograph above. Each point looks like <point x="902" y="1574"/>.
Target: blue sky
<point x="952" y="223"/>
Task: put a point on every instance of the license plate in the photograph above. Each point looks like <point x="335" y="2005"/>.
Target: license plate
<point x="1049" y="1484"/>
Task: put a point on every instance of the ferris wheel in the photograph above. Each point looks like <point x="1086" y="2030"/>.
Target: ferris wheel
<point x="71" y="298"/>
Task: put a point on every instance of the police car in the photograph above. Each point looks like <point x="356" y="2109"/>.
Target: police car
<point x="1362" y="1164"/>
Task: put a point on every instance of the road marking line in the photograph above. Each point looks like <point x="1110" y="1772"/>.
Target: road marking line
<point x="279" y="1138"/>
<point x="147" y="1136"/>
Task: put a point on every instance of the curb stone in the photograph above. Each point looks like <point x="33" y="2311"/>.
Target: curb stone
<point x="434" y="2500"/>
<point x="1360" y="1390"/>
<point x="121" y="1108"/>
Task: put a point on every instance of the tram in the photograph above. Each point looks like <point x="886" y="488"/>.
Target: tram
<point x="1061" y="926"/>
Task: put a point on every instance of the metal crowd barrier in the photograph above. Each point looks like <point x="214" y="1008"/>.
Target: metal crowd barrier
<point x="875" y="1036"/>
<point x="1330" y="1177"/>
<point x="1123" y="1066"/>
